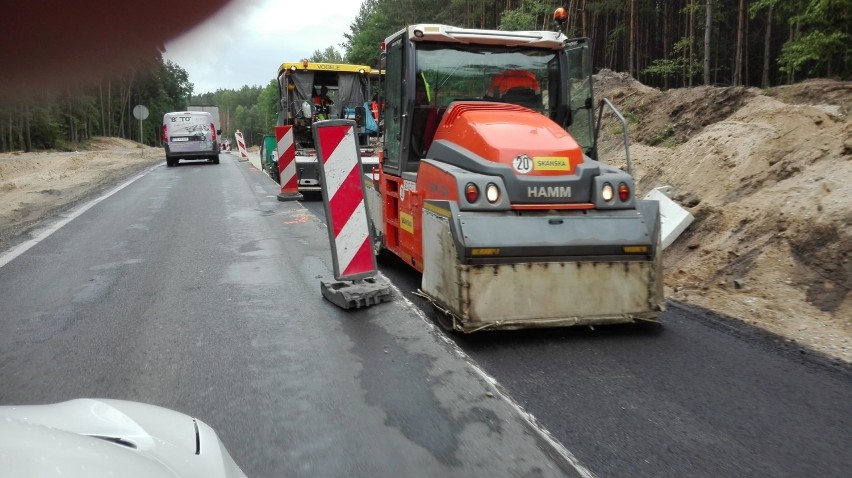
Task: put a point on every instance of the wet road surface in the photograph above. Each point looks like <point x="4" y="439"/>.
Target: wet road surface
<point x="195" y="289"/>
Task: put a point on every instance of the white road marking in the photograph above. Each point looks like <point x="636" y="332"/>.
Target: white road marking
<point x="497" y="389"/>
<point x="16" y="251"/>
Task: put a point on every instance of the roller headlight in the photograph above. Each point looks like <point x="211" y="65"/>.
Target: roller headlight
<point x="607" y="193"/>
<point x="492" y="193"/>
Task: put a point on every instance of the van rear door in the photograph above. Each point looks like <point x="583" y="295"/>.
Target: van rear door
<point x="185" y="127"/>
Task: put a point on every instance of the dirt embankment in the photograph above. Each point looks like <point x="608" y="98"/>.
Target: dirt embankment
<point x="767" y="176"/>
<point x="37" y="186"/>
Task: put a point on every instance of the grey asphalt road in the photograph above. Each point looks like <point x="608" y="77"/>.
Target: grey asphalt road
<point x="699" y="396"/>
<point x="193" y="288"/>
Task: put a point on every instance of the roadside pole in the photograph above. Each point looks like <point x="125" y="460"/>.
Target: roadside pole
<point x="140" y="112"/>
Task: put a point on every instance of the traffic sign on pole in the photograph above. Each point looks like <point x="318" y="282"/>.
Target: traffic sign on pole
<point x="140" y="112"/>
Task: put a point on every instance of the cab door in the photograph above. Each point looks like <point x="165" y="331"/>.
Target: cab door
<point x="580" y="99"/>
<point x="394" y="112"/>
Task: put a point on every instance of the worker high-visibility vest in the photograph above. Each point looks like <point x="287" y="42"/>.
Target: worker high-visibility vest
<point x="426" y="85"/>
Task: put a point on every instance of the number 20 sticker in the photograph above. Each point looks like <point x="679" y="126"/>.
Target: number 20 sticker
<point x="522" y="164"/>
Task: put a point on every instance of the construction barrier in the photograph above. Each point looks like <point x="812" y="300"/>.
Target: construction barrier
<point x="287" y="164"/>
<point x="241" y="145"/>
<point x="348" y="224"/>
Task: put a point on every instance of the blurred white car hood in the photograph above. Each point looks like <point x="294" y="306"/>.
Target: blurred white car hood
<point x="98" y="437"/>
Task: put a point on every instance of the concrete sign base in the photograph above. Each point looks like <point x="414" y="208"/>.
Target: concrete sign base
<point x="356" y="294"/>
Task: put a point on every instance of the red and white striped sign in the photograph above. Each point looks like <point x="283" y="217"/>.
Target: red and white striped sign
<point x="343" y="195"/>
<point x="287" y="163"/>
<point x="241" y="145"/>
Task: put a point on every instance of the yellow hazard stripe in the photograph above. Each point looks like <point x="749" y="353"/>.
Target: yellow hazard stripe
<point x="487" y="251"/>
<point x="437" y="210"/>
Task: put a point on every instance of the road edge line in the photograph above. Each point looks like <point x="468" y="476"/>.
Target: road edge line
<point x="11" y="254"/>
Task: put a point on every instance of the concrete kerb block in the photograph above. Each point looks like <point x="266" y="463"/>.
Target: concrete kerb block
<point x="673" y="218"/>
<point x="356" y="294"/>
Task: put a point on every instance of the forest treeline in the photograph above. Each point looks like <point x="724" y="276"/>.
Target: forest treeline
<point x="63" y="119"/>
<point x="662" y="43"/>
<point x="251" y="109"/>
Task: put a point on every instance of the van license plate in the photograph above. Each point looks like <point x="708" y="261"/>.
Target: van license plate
<point x="180" y="139"/>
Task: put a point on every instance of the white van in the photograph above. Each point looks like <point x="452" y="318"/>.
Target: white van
<point x="190" y="135"/>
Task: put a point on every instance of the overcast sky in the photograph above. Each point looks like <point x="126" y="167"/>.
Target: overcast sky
<point x="246" y="42"/>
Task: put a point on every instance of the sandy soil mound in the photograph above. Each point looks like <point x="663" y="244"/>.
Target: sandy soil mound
<point x="102" y="143"/>
<point x="767" y="178"/>
<point x="816" y="92"/>
<point x="37" y="186"/>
